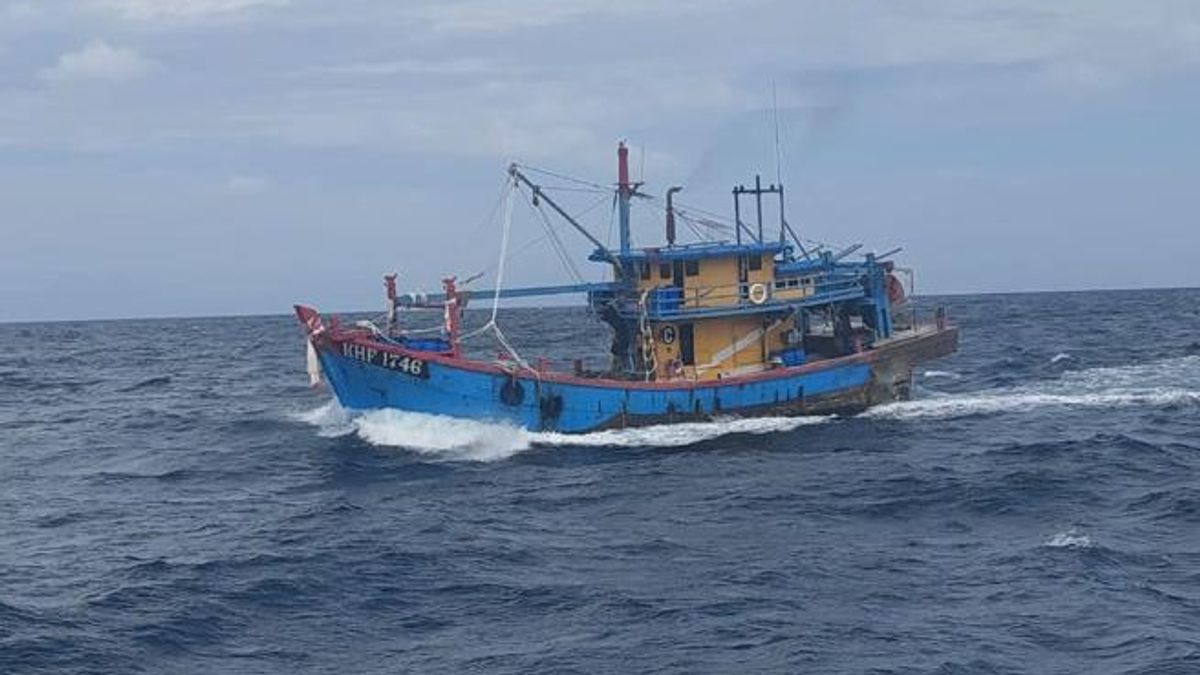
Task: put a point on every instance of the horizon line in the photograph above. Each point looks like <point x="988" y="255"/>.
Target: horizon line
<point x="250" y="315"/>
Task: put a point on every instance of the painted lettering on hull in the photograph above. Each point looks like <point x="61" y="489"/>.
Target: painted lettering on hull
<point x="400" y="363"/>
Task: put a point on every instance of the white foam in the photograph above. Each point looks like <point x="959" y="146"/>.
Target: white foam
<point x="680" y="434"/>
<point x="1060" y="357"/>
<point x="1155" y="384"/>
<point x="941" y="374"/>
<point x="459" y="439"/>
<point x="441" y="436"/>
<point x="1069" y="539"/>
<point x="330" y="419"/>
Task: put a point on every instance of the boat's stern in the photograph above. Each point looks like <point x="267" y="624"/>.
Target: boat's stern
<point x="893" y="359"/>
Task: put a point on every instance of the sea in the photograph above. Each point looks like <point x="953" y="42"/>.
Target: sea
<point x="175" y="498"/>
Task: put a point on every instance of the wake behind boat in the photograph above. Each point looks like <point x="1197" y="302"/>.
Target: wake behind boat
<point x="749" y="327"/>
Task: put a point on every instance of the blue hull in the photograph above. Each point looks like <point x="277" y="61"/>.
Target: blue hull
<point x="578" y="405"/>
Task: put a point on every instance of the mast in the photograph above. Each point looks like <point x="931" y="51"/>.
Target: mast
<point x="758" y="193"/>
<point x="624" y="191"/>
<point x="671" y="215"/>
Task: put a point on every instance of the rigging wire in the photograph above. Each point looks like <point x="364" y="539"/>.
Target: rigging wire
<point x="534" y="242"/>
<point x="508" y="209"/>
<point x="555" y="241"/>
<point x="565" y="177"/>
<point x="778" y="152"/>
<point x="700" y="217"/>
<point x="560" y="188"/>
<point x="495" y="207"/>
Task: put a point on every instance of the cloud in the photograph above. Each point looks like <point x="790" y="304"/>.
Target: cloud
<point x="489" y="16"/>
<point x="19" y="9"/>
<point x="408" y="67"/>
<point x="97" y="61"/>
<point x="184" y="9"/>
<point x="243" y="184"/>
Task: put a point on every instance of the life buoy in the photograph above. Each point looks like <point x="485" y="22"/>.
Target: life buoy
<point x="758" y="293"/>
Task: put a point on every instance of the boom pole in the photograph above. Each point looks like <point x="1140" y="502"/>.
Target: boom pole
<point x="538" y="194"/>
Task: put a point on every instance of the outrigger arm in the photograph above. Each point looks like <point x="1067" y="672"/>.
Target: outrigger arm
<point x="526" y="292"/>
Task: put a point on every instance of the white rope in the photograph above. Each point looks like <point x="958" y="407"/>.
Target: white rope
<point x="508" y="209"/>
<point x="513" y="352"/>
<point x="506" y="226"/>
<point x="506" y="230"/>
<point x="500" y="265"/>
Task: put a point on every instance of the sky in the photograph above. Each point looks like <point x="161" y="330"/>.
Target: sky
<point x="214" y="157"/>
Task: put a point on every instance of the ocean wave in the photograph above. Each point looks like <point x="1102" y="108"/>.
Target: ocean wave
<point x="1069" y="539"/>
<point x="680" y="434"/>
<point x="471" y="440"/>
<point x="149" y="383"/>
<point x="441" y="436"/>
<point x="330" y="419"/>
<point x="1173" y="504"/>
<point x="941" y="375"/>
<point x="1156" y="384"/>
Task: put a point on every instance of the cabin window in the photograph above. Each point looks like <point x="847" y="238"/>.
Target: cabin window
<point x="664" y="270"/>
<point x="645" y="270"/>
<point x="692" y="268"/>
<point x="755" y="262"/>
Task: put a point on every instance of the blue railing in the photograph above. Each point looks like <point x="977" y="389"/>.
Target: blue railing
<point x="671" y="302"/>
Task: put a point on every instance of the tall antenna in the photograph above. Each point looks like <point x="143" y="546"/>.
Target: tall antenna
<point x="779" y="168"/>
<point x="778" y="152"/>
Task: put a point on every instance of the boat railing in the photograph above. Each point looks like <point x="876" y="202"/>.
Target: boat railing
<point x="667" y="302"/>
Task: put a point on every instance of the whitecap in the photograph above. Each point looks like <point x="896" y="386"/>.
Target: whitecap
<point x="330" y="419"/>
<point x="941" y="374"/>
<point x="1060" y="357"/>
<point x="1069" y="539"/>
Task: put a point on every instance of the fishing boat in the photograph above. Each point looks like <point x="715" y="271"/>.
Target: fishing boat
<point x="755" y="325"/>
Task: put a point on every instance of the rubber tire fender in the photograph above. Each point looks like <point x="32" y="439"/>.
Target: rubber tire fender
<point x="512" y="393"/>
<point x="551" y="406"/>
